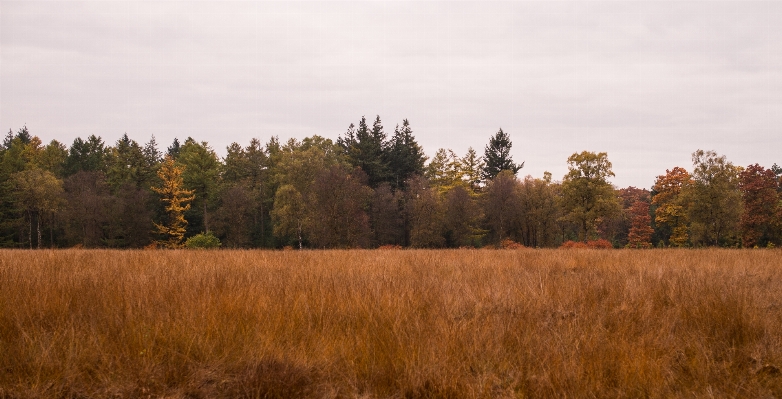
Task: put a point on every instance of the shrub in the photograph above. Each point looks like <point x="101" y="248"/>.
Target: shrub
<point x="510" y="244"/>
<point x="203" y="241"/>
<point x="573" y="245"/>
<point x="599" y="244"/>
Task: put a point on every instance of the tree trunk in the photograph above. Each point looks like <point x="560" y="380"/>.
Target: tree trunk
<point x="30" y="230"/>
<point x="206" y="221"/>
<point x="38" y="227"/>
<point x="299" y="232"/>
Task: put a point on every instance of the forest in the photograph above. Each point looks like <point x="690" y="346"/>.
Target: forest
<point x="369" y="189"/>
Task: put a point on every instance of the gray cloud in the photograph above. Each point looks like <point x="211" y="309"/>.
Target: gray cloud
<point x="648" y="82"/>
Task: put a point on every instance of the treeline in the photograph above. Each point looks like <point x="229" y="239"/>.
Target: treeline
<point x="368" y="189"/>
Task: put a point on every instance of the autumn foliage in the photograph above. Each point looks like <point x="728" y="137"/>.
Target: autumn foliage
<point x="177" y="201"/>
<point x="761" y="204"/>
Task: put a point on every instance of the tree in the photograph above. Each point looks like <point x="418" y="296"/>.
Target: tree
<point x="125" y="163"/>
<point x="472" y="167"/>
<point x="173" y="150"/>
<point x="38" y="192"/>
<point x="671" y="205"/>
<point x="53" y="157"/>
<point x="538" y="212"/>
<point x="640" y="235"/>
<point x="89" y="155"/>
<point x="405" y="158"/>
<point x="365" y="149"/>
<point x="715" y="205"/>
<point x="462" y="216"/>
<point x="501" y="206"/>
<point x="177" y="200"/>
<point x="497" y="156"/>
<point x="587" y="196"/>
<point x="385" y="217"/>
<point x="88" y="211"/>
<point x="288" y="214"/>
<point x="761" y="205"/>
<point x="233" y="219"/>
<point x="201" y="170"/>
<point x="424" y="213"/>
<point x="445" y="170"/>
<point x="338" y="209"/>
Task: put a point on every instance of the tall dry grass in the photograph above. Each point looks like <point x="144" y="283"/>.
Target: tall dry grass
<point x="402" y="324"/>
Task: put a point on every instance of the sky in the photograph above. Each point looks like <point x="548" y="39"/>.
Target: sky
<point x="646" y="82"/>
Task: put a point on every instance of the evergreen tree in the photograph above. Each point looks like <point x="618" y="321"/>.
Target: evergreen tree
<point x="405" y="158"/>
<point x="497" y="156"/>
<point x="365" y="149"/>
<point x="89" y="155"/>
<point x="125" y="163"/>
<point x="202" y="168"/>
<point x="173" y="150"/>
<point x="472" y="168"/>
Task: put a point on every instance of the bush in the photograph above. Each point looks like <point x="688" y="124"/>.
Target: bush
<point x="600" y="244"/>
<point x="596" y="244"/>
<point x="203" y="241"/>
<point x="510" y="244"/>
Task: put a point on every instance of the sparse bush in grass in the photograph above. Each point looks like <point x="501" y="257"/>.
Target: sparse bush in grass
<point x="203" y="241"/>
<point x="510" y="244"/>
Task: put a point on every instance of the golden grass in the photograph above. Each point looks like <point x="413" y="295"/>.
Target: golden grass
<point x="401" y="324"/>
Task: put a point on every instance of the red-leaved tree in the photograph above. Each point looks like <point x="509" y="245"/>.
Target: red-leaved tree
<point x="758" y="187"/>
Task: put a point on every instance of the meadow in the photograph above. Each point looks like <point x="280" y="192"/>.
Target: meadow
<point x="391" y="324"/>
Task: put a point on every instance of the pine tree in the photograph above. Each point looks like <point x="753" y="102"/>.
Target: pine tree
<point x="405" y="157"/>
<point x="366" y="149"/>
<point x="176" y="199"/>
<point x="497" y="156"/>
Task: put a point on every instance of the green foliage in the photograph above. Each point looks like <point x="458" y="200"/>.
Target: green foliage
<point x="497" y="156"/>
<point x="587" y="196"/>
<point x="89" y="155"/>
<point x="715" y="200"/>
<point x="404" y="156"/>
<point x="201" y="171"/>
<point x="203" y="241"/>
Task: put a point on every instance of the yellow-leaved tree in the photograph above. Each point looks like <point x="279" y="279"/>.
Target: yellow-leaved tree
<point x="176" y="199"/>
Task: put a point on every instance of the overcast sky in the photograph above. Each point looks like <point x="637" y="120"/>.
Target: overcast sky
<point x="646" y="82"/>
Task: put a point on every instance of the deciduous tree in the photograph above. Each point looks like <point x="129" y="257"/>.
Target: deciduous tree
<point x="715" y="205"/>
<point x="758" y="187"/>
<point x="339" y="202"/>
<point x="177" y="200"/>
<point x="587" y="196"/>
<point x="671" y="205"/>
<point x="38" y="192"/>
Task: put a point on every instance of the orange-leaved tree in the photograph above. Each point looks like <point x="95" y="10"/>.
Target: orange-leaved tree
<point x="177" y="201"/>
<point x="640" y="235"/>
<point x="671" y="205"/>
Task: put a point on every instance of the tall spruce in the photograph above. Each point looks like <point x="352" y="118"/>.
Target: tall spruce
<point x="497" y="156"/>
<point x="365" y="149"/>
<point x="404" y="156"/>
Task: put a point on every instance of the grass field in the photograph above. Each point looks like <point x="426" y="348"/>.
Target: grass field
<point x="399" y="324"/>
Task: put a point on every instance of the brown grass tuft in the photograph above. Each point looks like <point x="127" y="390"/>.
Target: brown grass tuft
<point x="398" y="324"/>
